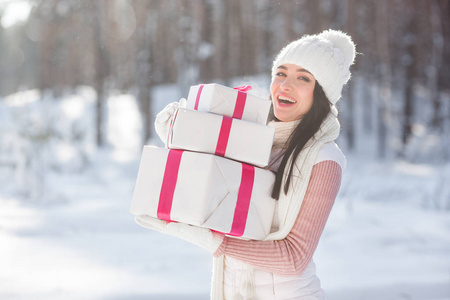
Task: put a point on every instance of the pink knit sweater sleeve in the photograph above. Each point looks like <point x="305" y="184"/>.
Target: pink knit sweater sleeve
<point x="291" y="256"/>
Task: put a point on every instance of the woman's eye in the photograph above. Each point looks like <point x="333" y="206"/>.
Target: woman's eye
<point x="281" y="74"/>
<point x="304" y="78"/>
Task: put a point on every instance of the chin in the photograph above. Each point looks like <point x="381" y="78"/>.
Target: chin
<point x="283" y="118"/>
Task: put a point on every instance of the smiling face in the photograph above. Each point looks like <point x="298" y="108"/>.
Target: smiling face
<point x="292" y="91"/>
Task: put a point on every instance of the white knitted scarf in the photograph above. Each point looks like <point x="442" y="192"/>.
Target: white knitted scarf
<point x="288" y="204"/>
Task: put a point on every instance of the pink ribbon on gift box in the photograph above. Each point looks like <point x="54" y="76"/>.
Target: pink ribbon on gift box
<point x="224" y="134"/>
<point x="225" y="128"/>
<point x="240" y="100"/>
<point x="243" y="200"/>
<point x="244" y="88"/>
<point x="168" y="184"/>
<point x="170" y="181"/>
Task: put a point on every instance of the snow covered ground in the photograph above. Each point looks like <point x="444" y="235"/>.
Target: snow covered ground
<point x="388" y="237"/>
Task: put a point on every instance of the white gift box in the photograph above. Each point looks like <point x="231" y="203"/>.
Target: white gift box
<point x="231" y="138"/>
<point x="204" y="190"/>
<point x="226" y="101"/>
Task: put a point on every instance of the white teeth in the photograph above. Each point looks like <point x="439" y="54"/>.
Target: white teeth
<point x="286" y="99"/>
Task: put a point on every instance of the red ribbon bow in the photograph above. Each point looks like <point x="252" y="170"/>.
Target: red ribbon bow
<point x="244" y="88"/>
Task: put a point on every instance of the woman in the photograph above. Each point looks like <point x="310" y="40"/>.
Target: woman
<point x="307" y="80"/>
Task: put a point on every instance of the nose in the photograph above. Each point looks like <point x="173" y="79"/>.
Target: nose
<point x="286" y="85"/>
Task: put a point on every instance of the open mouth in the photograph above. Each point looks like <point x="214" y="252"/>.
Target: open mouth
<point x="286" y="100"/>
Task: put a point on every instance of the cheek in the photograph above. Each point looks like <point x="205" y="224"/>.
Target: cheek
<point x="308" y="95"/>
<point x="273" y="87"/>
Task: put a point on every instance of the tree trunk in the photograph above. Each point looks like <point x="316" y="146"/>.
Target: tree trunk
<point x="382" y="43"/>
<point x="350" y="103"/>
<point x="434" y="18"/>
<point x="147" y="27"/>
<point x="410" y="69"/>
<point x="443" y="82"/>
<point x="440" y="12"/>
<point x="102" y="68"/>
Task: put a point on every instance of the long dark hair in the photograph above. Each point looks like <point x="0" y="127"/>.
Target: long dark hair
<point x="305" y="130"/>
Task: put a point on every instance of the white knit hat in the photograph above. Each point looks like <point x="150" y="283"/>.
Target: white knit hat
<point x="327" y="56"/>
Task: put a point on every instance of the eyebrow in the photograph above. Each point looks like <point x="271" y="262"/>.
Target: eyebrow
<point x="298" y="70"/>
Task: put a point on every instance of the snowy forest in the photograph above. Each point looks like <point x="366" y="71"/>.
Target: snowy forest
<point x="81" y="82"/>
<point x="134" y="46"/>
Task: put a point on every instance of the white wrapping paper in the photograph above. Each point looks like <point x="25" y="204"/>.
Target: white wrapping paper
<point x="247" y="142"/>
<point x="221" y="100"/>
<point x="206" y="192"/>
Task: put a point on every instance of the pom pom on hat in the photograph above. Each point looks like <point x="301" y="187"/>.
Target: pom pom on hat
<point x="327" y="56"/>
<point x="343" y="42"/>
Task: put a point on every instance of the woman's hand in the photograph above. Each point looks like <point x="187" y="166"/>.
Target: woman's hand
<point x="202" y="237"/>
<point x="162" y="121"/>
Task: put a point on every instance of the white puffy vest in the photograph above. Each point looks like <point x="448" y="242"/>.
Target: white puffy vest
<point x="243" y="282"/>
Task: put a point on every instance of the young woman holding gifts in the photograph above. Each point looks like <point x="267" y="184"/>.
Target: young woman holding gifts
<point x="307" y="80"/>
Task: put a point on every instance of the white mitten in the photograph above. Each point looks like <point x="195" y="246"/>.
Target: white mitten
<point x="162" y="121"/>
<point x="202" y="237"/>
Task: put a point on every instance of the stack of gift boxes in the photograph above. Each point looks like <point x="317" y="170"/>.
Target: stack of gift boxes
<point x="212" y="173"/>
